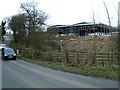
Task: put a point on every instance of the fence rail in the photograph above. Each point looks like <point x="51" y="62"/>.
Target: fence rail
<point x="88" y="59"/>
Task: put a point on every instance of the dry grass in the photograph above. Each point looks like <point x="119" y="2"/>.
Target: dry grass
<point x="85" y="44"/>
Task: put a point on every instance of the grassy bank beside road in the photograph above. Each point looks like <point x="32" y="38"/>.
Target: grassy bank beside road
<point x="110" y="73"/>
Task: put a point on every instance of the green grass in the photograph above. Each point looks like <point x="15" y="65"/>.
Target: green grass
<point x="88" y="71"/>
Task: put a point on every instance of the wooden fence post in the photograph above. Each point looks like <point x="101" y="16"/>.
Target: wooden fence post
<point x="108" y="56"/>
<point x="78" y="60"/>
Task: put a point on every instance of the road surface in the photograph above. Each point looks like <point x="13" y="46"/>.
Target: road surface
<point x="21" y="74"/>
<point x="0" y="73"/>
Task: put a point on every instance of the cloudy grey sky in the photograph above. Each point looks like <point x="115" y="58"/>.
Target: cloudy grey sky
<point x="67" y="11"/>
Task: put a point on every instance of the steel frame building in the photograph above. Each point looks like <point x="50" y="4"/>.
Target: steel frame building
<point x="82" y="29"/>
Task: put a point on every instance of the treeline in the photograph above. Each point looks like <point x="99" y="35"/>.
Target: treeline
<point x="0" y="32"/>
<point x="28" y="28"/>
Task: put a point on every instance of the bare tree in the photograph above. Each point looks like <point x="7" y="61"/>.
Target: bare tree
<point x="94" y="40"/>
<point x="114" y="40"/>
<point x="109" y="20"/>
<point x="36" y="17"/>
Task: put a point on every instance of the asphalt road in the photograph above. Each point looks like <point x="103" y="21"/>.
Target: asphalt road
<point x="21" y="74"/>
<point x="0" y="73"/>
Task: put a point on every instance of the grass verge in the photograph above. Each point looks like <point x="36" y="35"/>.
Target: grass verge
<point x="109" y="73"/>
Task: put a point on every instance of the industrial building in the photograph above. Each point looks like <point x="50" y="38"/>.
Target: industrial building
<point x="82" y="29"/>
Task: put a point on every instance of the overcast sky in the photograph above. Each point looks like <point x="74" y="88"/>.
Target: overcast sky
<point x="67" y="12"/>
